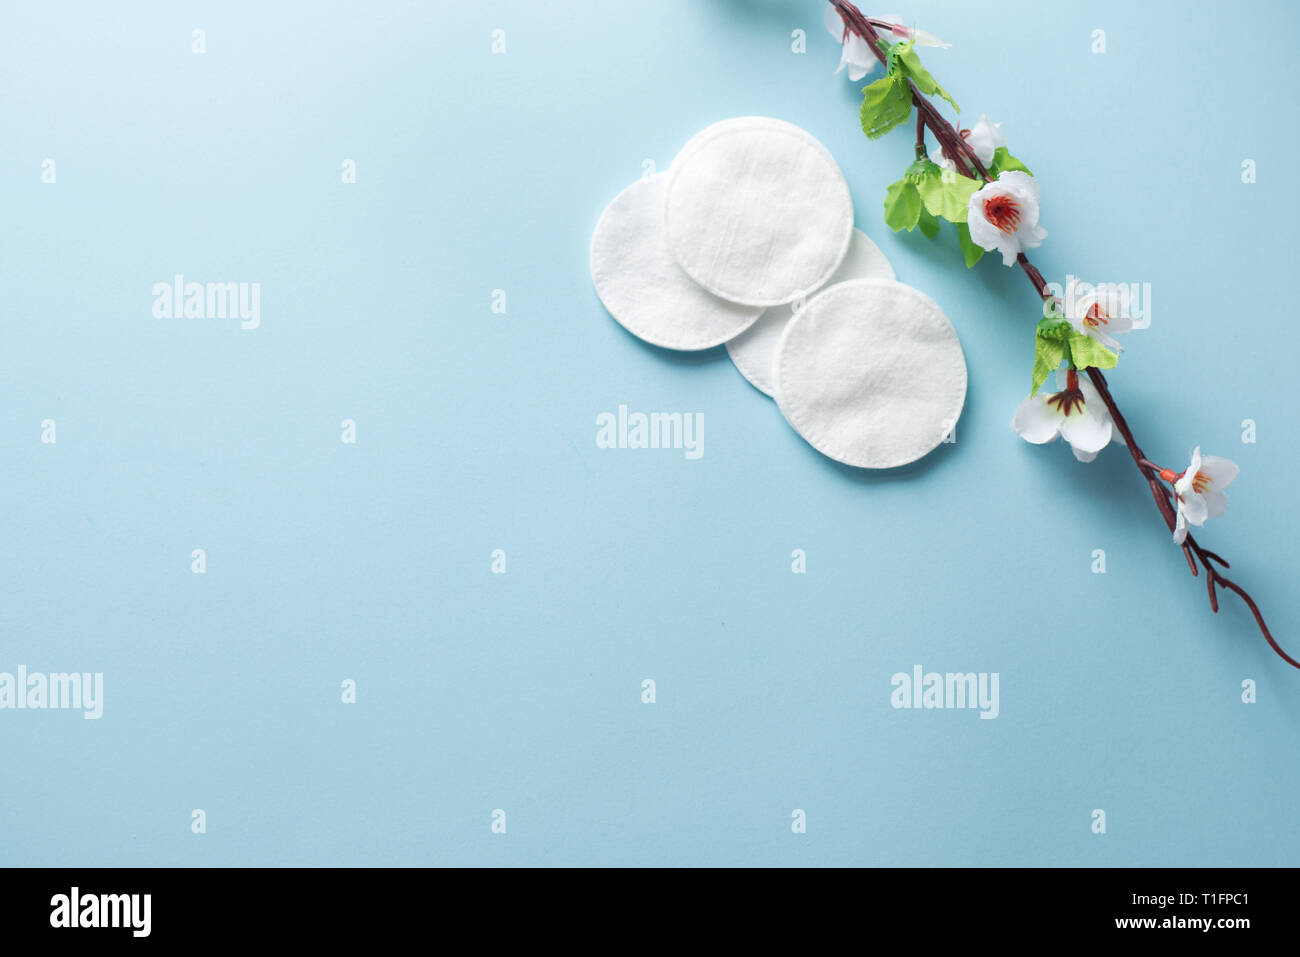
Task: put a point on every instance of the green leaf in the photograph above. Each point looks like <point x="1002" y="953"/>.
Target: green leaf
<point x="910" y="64"/>
<point x="929" y="225"/>
<point x="886" y="104"/>
<point x="1086" y="351"/>
<point x="920" y="170"/>
<point x="1054" y="327"/>
<point x="1004" y="161"/>
<point x="902" y="206"/>
<point x="947" y="193"/>
<point x="969" y="250"/>
<point x="1048" y="353"/>
<point x="1051" y="343"/>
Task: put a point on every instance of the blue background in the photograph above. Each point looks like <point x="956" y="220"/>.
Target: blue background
<point x="476" y="431"/>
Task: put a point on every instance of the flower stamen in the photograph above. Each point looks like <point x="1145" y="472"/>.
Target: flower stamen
<point x="1003" y="212"/>
<point x="1096" y="316"/>
<point x="1070" y="399"/>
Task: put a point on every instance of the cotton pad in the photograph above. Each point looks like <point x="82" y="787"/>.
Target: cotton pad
<point x="870" y="373"/>
<point x="754" y="349"/>
<point x="757" y="212"/>
<point x="641" y="284"/>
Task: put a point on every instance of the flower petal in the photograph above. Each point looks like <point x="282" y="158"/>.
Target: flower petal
<point x="861" y="60"/>
<point x="1021" y="182"/>
<point x="1105" y="340"/>
<point x="1183" y="485"/>
<point x="983" y="233"/>
<point x="1195" y="508"/>
<point x="1216" y="503"/>
<point x="1031" y="237"/>
<point x="834" y="23"/>
<point x="987" y="236"/>
<point x="984" y="139"/>
<point x="923" y="39"/>
<point x="1036" y="421"/>
<point x="938" y="159"/>
<point x="1087" y="432"/>
<point x="1219" y="471"/>
<point x="1180" y="529"/>
<point x="1092" y="398"/>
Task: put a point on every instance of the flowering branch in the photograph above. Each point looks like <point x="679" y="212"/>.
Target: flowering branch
<point x="919" y="200"/>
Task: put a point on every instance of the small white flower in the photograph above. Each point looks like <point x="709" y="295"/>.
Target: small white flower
<point x="984" y="138"/>
<point x="1075" y="413"/>
<point x="1198" y="492"/>
<point x="1099" y="311"/>
<point x="856" y="53"/>
<point x="1003" y="215"/>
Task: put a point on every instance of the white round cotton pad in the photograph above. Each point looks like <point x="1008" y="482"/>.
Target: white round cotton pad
<point x="754" y="349"/>
<point x="758" y="212"/>
<point x="870" y="372"/>
<point x="641" y="284"/>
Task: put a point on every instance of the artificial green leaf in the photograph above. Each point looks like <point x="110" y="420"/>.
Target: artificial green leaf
<point x="892" y="50"/>
<point x="1004" y="161"/>
<point x="1048" y="353"/>
<point x="902" y="206"/>
<point x="921" y="169"/>
<point x="910" y="63"/>
<point x="886" y="104"/>
<point x="1086" y="351"/>
<point x="929" y="225"/>
<point x="1054" y="326"/>
<point x="969" y="249"/>
<point x="947" y="193"/>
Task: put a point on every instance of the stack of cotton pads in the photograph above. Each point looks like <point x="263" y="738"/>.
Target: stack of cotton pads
<point x="748" y="241"/>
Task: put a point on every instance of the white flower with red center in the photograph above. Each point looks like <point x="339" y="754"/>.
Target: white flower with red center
<point x="1003" y="216"/>
<point x="984" y="138"/>
<point x="1198" y="491"/>
<point x="1075" y="413"/>
<point x="856" y="53"/>
<point x="1100" y="311"/>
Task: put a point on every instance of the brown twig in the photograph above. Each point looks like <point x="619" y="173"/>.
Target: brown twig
<point x="1162" y="496"/>
<point x="955" y="146"/>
